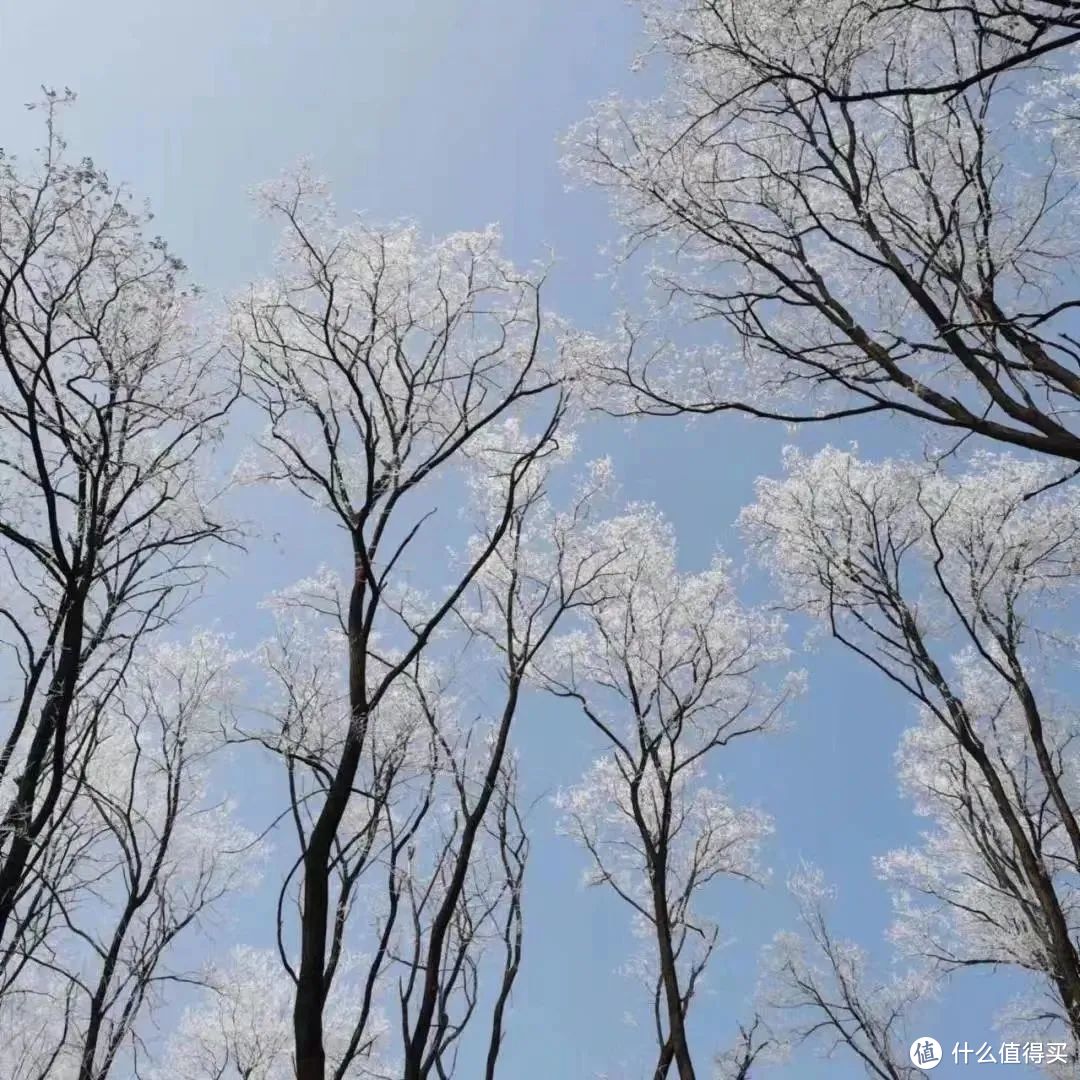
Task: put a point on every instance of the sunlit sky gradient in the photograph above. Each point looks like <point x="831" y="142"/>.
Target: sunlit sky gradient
<point x="449" y="113"/>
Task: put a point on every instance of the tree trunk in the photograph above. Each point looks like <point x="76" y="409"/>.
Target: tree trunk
<point x="679" y="1049"/>
<point x="314" y="915"/>
<point x="21" y="826"/>
<point x="416" y="1046"/>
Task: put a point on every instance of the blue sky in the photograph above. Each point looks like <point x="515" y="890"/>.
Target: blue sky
<point x="449" y="113"/>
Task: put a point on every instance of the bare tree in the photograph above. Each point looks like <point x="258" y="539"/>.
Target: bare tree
<point x="138" y="856"/>
<point x="109" y="403"/>
<point x="666" y="669"/>
<point x="875" y="201"/>
<point x="433" y="812"/>
<point x="821" y="988"/>
<point x="384" y="365"/>
<point x="948" y="586"/>
<point x="755" y="1044"/>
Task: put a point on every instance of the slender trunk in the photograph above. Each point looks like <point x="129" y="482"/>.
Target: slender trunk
<point x="663" y="1061"/>
<point x="677" y="1041"/>
<point x="97" y="1003"/>
<point x="416" y="1045"/>
<point x="509" y="975"/>
<point x="307" y="1009"/>
<point x="1064" y="960"/>
<point x="676" y="1046"/>
<point x="314" y="915"/>
<point x="21" y="825"/>
<point x="496" y="1031"/>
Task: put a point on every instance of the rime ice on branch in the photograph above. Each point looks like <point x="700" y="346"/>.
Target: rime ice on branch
<point x="874" y="204"/>
<point x="392" y="373"/>
<point x="954" y="587"/>
<point x="670" y="668"/>
<point x="110" y="400"/>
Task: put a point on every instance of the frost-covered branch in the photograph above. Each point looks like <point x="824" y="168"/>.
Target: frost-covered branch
<point x="820" y="988"/>
<point x="385" y="366"/>
<point x="954" y="588"/>
<point x="668" y="668"/>
<point x="872" y="203"/>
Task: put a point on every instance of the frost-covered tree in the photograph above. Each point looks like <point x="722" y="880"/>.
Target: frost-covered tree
<point x="874" y="203"/>
<point x="242" y="1030"/>
<point x="108" y="405"/>
<point x="408" y="828"/>
<point x="958" y="589"/>
<point x="821" y="988"/>
<point x="383" y="364"/>
<point x="962" y="897"/>
<point x="393" y="373"/>
<point x="140" y="852"/>
<point x="428" y="862"/>
<point x="668" y="667"/>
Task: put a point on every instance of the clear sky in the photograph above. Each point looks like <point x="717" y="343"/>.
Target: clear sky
<point x="448" y="113"/>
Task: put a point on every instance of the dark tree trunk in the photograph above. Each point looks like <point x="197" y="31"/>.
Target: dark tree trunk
<point x="21" y="825"/>
<point x="314" y="916"/>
